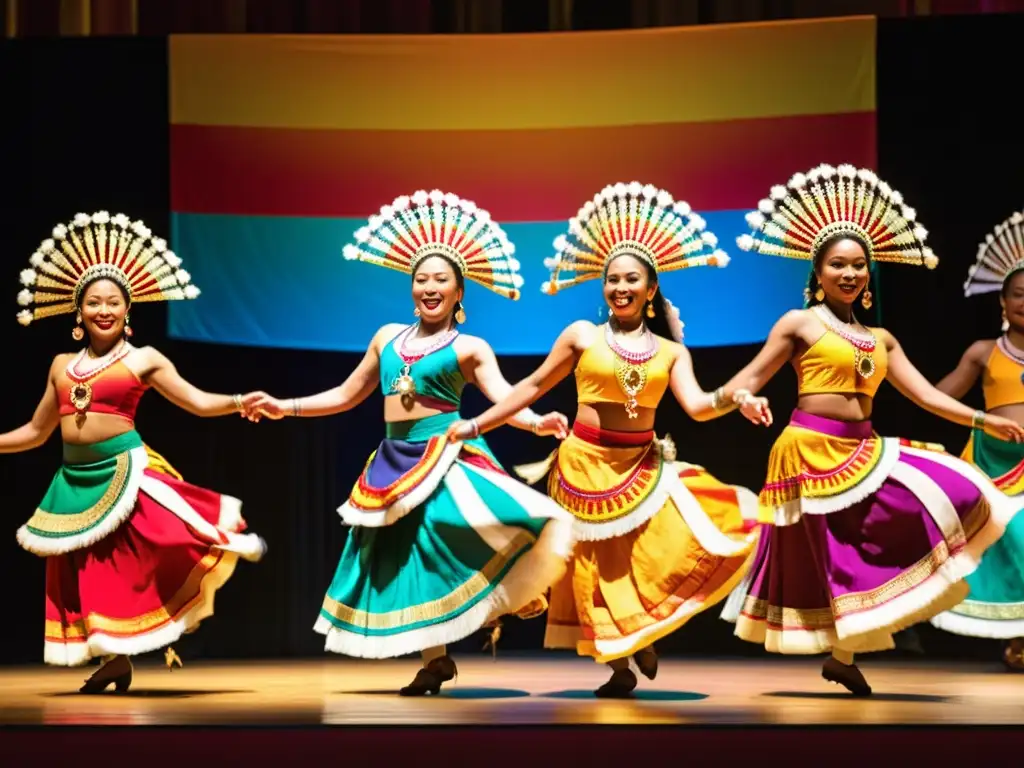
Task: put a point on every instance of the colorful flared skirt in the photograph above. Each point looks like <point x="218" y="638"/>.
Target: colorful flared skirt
<point x="863" y="536"/>
<point x="443" y="541"/>
<point x="995" y="606"/>
<point x="659" y="541"/>
<point x="134" y="555"/>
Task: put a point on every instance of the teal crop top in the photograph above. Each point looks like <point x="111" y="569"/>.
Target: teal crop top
<point x="437" y="376"/>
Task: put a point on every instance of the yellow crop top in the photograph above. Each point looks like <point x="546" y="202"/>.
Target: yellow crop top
<point x="830" y="367"/>
<point x="1003" y="379"/>
<point x="597" y="380"/>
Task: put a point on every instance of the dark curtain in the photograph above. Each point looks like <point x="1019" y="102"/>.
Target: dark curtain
<point x="163" y="17"/>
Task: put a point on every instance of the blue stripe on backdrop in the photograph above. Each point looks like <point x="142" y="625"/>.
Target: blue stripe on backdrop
<point x="282" y="282"/>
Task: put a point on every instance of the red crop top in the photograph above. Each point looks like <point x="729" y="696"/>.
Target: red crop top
<point x="115" y="390"/>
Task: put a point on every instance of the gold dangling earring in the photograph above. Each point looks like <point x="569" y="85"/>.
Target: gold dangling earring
<point x="865" y="299"/>
<point x="1006" y="322"/>
<point x="128" y="332"/>
<point x="78" y="333"/>
<point x="819" y="294"/>
<point x="460" y="314"/>
<point x="416" y="312"/>
<point x="650" y="309"/>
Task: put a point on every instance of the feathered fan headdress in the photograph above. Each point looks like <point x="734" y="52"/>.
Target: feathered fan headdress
<point x="414" y="228"/>
<point x="100" y="246"/>
<point x="796" y="219"/>
<point x="1000" y="257"/>
<point x="637" y="219"/>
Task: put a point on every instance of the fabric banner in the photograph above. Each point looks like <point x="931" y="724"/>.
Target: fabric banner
<point x="282" y="146"/>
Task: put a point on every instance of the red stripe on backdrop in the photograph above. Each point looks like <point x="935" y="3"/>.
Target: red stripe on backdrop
<point x="517" y="175"/>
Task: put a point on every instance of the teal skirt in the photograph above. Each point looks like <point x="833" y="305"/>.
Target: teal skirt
<point x="443" y="541"/>
<point x="995" y="606"/>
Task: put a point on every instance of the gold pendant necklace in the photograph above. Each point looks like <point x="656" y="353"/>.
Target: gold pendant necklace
<point x="631" y="368"/>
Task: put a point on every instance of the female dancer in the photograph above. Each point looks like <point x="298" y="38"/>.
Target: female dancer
<point x="995" y="607"/>
<point x="660" y="541"/>
<point x="134" y="555"/>
<point x="443" y="540"/>
<point x="864" y="535"/>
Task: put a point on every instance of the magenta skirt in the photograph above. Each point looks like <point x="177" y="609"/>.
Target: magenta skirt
<point x="861" y="537"/>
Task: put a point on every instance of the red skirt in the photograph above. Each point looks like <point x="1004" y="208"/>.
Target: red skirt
<point x="152" y="579"/>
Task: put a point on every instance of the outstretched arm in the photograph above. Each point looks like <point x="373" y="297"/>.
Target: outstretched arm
<point x="915" y="387"/>
<point x="959" y="382"/>
<point x="165" y="379"/>
<point x="45" y="419"/>
<point x="558" y="364"/>
<point x="350" y="393"/>
<point x="778" y="349"/>
<point x="485" y="373"/>
<point x="701" y="405"/>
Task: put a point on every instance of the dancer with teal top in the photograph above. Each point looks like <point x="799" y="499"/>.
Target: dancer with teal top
<point x="995" y="606"/>
<point x="443" y="541"/>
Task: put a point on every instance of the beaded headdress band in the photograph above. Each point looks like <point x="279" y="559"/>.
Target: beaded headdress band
<point x="635" y="219"/>
<point x="414" y="228"/>
<point x="798" y="218"/>
<point x="94" y="247"/>
<point x="999" y="258"/>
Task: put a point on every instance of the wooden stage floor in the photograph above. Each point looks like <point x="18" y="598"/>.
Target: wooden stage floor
<point x="517" y="691"/>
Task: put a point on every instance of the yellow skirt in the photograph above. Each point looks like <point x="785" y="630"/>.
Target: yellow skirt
<point x="658" y="541"/>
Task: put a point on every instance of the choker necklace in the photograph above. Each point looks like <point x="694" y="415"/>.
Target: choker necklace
<point x="863" y="343"/>
<point x="81" y="391"/>
<point x="404" y="384"/>
<point x="631" y="367"/>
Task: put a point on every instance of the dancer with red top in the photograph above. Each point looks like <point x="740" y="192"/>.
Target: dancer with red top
<point x="134" y="553"/>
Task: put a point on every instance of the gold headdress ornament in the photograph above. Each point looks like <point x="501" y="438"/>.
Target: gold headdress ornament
<point x="439" y="224"/>
<point x="827" y="201"/>
<point x="999" y="257"/>
<point x="100" y="246"/>
<point x="637" y="219"/>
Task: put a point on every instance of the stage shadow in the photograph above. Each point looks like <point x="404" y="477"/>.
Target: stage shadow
<point x="453" y="693"/>
<point x="635" y="696"/>
<point x="143" y="693"/>
<point x="922" y="698"/>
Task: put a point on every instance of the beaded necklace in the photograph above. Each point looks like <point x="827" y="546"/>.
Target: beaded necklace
<point x="863" y="343"/>
<point x="404" y="384"/>
<point x="631" y="367"/>
<point x="81" y="391"/>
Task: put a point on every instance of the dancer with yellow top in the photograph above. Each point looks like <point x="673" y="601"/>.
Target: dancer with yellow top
<point x="995" y="607"/>
<point x="864" y="535"/>
<point x="659" y="541"/>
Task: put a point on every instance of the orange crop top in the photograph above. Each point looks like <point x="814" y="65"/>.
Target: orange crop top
<point x="115" y="390"/>
<point x="597" y="382"/>
<point x="1003" y="379"/>
<point x="830" y="367"/>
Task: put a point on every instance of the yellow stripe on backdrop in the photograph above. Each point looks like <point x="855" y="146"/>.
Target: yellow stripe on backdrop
<point x="547" y="80"/>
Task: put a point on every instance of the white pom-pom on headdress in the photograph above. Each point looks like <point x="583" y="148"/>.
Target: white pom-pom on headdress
<point x="94" y="247"/>
<point x="413" y="228"/>
<point x="1000" y="256"/>
<point x="635" y="219"/>
<point x="828" y="201"/>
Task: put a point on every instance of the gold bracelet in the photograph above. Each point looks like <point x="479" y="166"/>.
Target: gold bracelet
<point x="296" y="409"/>
<point x="716" y="398"/>
<point x="978" y="421"/>
<point x="237" y="400"/>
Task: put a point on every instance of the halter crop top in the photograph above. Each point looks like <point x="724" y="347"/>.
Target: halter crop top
<point x="829" y="366"/>
<point x="597" y="382"/>
<point x="437" y="376"/>
<point x="114" y="390"/>
<point x="1003" y="379"/>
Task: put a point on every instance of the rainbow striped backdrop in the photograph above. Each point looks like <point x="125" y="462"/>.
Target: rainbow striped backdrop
<point x="281" y="146"/>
